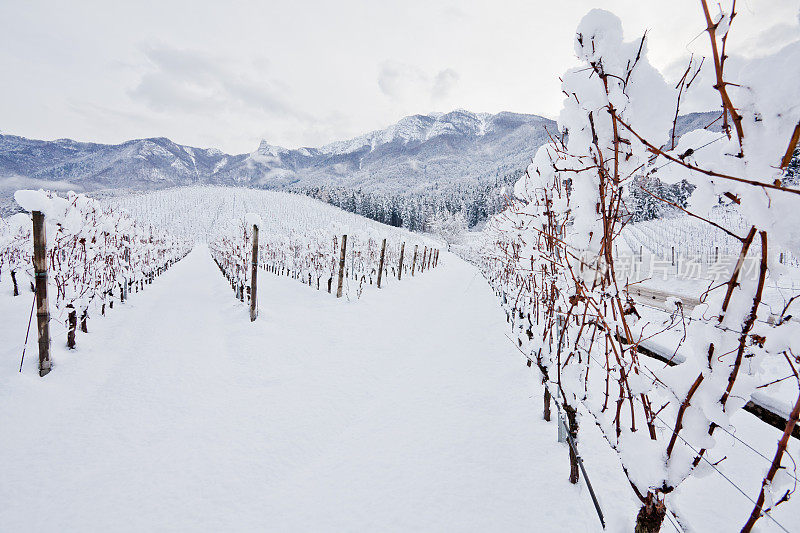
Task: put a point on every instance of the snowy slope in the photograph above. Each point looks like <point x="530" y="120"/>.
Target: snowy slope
<point x="199" y="213"/>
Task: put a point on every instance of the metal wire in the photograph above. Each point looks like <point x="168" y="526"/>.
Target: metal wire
<point x="27" y="332"/>
<point x="671" y="521"/>
<point x="729" y="480"/>
<point x="758" y="452"/>
<point x="574" y="447"/>
<point x="763" y="512"/>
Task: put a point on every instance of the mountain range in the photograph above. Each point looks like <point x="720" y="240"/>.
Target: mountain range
<point x="417" y="153"/>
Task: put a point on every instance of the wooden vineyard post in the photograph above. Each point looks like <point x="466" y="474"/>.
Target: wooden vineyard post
<point x="414" y="261"/>
<point x="341" y="266"/>
<point x="546" y="412"/>
<point x="72" y="320"/>
<point x="254" y="276"/>
<point x="571" y="422"/>
<point x="400" y="269"/>
<point x="42" y="306"/>
<point x="380" y="263"/>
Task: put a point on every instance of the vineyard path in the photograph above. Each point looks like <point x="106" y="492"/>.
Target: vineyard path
<point x="408" y="409"/>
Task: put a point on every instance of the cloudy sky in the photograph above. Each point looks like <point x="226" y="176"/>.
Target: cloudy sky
<point x="303" y="73"/>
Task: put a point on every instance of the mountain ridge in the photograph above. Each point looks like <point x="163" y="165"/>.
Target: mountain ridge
<point x="418" y="153"/>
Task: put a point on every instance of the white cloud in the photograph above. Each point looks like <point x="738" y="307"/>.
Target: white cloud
<point x="443" y="83"/>
<point x="304" y="74"/>
<point x="193" y="81"/>
<point x="403" y="82"/>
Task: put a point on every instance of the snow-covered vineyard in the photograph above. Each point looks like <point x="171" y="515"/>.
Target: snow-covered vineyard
<point x="572" y="366"/>
<point x="91" y="257"/>
<point x="298" y="237"/>
<point x="579" y="295"/>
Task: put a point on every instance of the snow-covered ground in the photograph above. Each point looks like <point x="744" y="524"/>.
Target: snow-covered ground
<point x="200" y="213"/>
<point x="405" y="411"/>
<point x="409" y="410"/>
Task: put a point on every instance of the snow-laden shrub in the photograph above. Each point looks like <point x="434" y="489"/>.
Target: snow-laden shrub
<point x="94" y="252"/>
<point x="552" y="254"/>
<point x="310" y="253"/>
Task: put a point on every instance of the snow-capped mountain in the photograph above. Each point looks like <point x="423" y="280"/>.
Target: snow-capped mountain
<point x="418" y="153"/>
<point x="141" y="162"/>
<point x="417" y="128"/>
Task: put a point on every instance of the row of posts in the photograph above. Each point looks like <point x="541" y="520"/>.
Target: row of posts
<point x="42" y="303"/>
<point x="430" y="259"/>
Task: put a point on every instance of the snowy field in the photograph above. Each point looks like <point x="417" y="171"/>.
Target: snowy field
<point x="613" y="346"/>
<point x="299" y="236"/>
<point x="406" y="411"/>
<point x="410" y="410"/>
<point x="200" y="213"/>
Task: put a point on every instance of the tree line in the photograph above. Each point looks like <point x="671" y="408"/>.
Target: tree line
<point x="415" y="210"/>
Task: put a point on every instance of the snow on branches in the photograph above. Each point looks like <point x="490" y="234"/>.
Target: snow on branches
<point x="553" y="257"/>
<point x="94" y="253"/>
<point x="310" y="253"/>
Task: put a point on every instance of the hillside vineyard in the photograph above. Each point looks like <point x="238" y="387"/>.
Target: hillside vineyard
<point x="460" y="322"/>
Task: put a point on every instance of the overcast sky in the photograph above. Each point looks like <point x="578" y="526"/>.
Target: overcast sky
<point x="227" y="74"/>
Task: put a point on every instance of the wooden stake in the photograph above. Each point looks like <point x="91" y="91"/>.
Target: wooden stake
<point x="42" y="306"/>
<point x="341" y="266"/>
<point x="546" y="404"/>
<point x="414" y="262"/>
<point x="14" y="281"/>
<point x="254" y="276"/>
<point x="424" y="258"/>
<point x="72" y="320"/>
<point x="380" y="264"/>
<point x="400" y="269"/>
